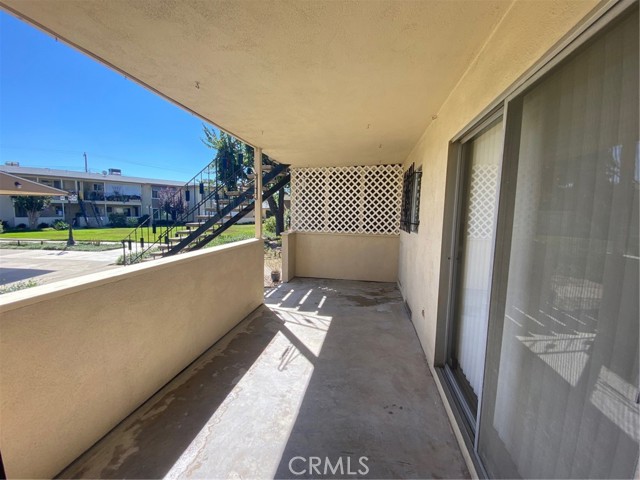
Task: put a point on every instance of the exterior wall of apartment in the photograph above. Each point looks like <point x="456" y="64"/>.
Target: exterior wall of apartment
<point x="525" y="34"/>
<point x="72" y="208"/>
<point x="147" y="200"/>
<point x="342" y="256"/>
<point x="7" y="212"/>
<point x="66" y="387"/>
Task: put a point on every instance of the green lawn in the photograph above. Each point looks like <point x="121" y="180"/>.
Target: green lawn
<point x="108" y="234"/>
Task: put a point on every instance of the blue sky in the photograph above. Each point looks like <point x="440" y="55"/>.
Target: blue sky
<point x="56" y="103"/>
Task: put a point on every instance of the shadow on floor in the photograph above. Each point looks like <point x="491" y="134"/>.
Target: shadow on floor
<point x="150" y="441"/>
<point x="327" y="369"/>
<point x="371" y="408"/>
<point x="10" y="275"/>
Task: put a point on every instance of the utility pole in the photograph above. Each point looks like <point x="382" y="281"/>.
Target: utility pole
<point x="86" y="166"/>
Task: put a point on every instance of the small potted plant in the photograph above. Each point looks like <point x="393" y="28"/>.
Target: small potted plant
<point x="274" y="264"/>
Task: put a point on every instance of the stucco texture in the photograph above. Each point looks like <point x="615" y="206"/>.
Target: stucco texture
<point x="344" y="81"/>
<point x="78" y="356"/>
<point x="372" y="258"/>
<point x="525" y="33"/>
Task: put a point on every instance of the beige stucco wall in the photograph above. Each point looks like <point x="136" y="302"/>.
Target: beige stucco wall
<point x="344" y="256"/>
<point x="78" y="356"/>
<point x="527" y="31"/>
<point x="288" y="256"/>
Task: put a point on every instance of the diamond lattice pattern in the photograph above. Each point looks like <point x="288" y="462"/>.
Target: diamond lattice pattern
<point x="484" y="182"/>
<point x="359" y="199"/>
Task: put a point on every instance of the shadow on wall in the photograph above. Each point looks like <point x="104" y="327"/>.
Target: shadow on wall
<point x="151" y="441"/>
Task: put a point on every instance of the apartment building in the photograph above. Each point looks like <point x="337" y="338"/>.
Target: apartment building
<point x="92" y="196"/>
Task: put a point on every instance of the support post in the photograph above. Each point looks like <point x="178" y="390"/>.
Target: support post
<point x="257" y="209"/>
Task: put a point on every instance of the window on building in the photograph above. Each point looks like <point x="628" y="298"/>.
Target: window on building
<point x="410" y="215"/>
<point x="155" y="193"/>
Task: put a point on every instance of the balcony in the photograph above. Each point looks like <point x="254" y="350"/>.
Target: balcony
<point x="325" y="368"/>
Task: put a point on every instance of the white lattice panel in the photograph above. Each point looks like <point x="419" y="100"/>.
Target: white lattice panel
<point x="482" y="195"/>
<point x="362" y="199"/>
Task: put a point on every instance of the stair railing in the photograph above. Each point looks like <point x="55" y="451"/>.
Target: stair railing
<point x="247" y="208"/>
<point x="247" y="196"/>
<point x="148" y="235"/>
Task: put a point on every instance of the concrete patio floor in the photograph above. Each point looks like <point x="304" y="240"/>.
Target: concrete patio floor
<point x="326" y="368"/>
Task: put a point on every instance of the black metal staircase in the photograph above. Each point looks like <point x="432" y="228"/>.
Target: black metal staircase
<point x="96" y="214"/>
<point x="83" y="209"/>
<point x="89" y="209"/>
<point x="205" y="218"/>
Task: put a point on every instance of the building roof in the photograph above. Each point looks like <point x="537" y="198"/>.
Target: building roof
<point x="51" y="172"/>
<point x="13" y="185"/>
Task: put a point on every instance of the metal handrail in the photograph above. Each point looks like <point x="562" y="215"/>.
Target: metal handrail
<point x="145" y="235"/>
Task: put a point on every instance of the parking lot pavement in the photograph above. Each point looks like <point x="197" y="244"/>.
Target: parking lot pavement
<point x="47" y="266"/>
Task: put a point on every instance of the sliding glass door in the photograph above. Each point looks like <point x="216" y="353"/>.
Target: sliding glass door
<point x="479" y="168"/>
<point x="560" y="393"/>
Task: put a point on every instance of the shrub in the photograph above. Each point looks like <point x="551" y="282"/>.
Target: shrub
<point x="269" y="226"/>
<point x="166" y="223"/>
<point x="132" y="258"/>
<point x="132" y="222"/>
<point x="143" y="219"/>
<point x="21" y="226"/>
<point x="15" y="287"/>
<point x="60" y="225"/>
<point x="117" y="220"/>
<point x="43" y="225"/>
<point x="3" y="226"/>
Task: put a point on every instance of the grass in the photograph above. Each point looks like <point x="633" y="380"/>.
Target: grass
<point x="105" y="234"/>
<point x="231" y="235"/>
<point x="235" y="233"/>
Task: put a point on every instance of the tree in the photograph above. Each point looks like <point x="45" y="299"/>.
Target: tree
<point x="276" y="206"/>
<point x="171" y="202"/>
<point x="276" y="201"/>
<point x="230" y="160"/>
<point x="233" y="159"/>
<point x="33" y="205"/>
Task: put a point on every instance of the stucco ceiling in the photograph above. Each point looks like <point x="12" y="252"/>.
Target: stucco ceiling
<point x="311" y="82"/>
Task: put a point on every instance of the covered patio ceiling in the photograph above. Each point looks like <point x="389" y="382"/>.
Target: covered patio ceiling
<point x="313" y="83"/>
